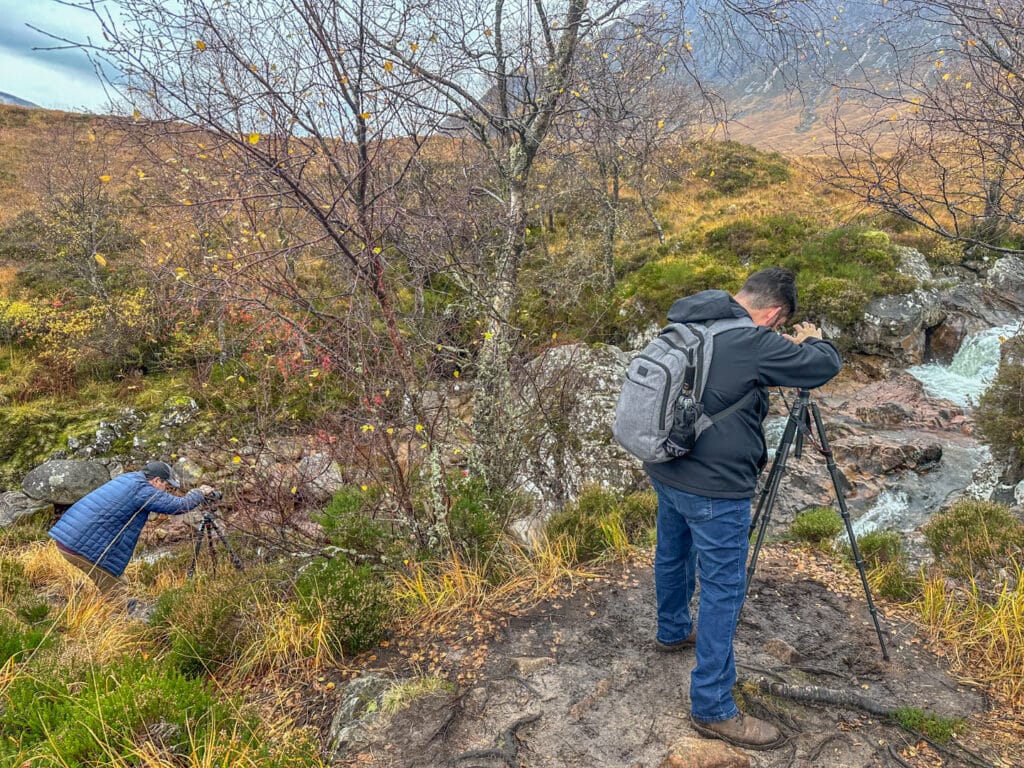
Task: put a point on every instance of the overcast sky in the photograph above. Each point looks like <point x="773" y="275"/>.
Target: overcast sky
<point x="54" y="79"/>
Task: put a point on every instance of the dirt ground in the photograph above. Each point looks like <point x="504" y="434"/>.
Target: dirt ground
<point x="576" y="683"/>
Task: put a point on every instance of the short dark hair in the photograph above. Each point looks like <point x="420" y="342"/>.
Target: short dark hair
<point x="772" y="287"/>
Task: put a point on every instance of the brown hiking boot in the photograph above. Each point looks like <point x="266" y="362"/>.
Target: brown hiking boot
<point x="678" y="645"/>
<point x="742" y="731"/>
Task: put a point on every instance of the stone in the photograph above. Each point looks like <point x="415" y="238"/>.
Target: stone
<point x="64" y="481"/>
<point x="1005" y="281"/>
<point x="913" y="264"/>
<point x="527" y="665"/>
<point x="15" y="506"/>
<point x="895" y="326"/>
<point x="689" y="752"/>
<point x="357" y="705"/>
<point x="782" y="651"/>
<point x="178" y="411"/>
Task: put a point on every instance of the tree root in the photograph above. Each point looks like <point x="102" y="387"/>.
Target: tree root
<point x="507" y="750"/>
<point x="815" y="694"/>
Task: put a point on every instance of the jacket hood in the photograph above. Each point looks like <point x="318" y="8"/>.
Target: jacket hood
<point x="704" y="307"/>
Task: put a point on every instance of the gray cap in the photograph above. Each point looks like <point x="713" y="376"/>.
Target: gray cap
<point x="162" y="470"/>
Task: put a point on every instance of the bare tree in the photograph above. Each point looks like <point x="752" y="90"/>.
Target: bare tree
<point x="941" y="143"/>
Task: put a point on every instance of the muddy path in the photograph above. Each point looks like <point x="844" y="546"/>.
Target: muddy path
<point x="576" y="683"/>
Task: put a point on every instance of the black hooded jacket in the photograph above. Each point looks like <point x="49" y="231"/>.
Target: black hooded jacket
<point x="728" y="457"/>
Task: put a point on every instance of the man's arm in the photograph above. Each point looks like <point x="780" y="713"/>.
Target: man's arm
<point x="167" y="504"/>
<point x="799" y="360"/>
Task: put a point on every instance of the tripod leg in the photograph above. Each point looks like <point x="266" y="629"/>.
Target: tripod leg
<point x="235" y="559"/>
<point x="208" y="525"/>
<point x="195" y="552"/>
<point x="771" y="488"/>
<point x="833" y="471"/>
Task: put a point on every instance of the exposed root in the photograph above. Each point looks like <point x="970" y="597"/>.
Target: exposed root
<point x="507" y="750"/>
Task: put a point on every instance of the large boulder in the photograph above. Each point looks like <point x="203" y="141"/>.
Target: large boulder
<point x="64" y="481"/>
<point x="896" y="326"/>
<point x="572" y="394"/>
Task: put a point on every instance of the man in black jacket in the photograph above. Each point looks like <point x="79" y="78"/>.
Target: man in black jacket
<point x="704" y="497"/>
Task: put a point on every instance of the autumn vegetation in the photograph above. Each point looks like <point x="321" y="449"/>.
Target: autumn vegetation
<point x="321" y="238"/>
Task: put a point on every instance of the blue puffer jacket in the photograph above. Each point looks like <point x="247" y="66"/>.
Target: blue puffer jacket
<point x="104" y="526"/>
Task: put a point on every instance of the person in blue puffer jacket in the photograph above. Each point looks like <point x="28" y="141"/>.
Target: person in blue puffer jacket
<point x="98" y="533"/>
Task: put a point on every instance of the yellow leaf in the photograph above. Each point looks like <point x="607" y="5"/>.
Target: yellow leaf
<point x="136" y="115"/>
<point x="254" y="138"/>
<point x="99" y="259"/>
<point x="365" y="115"/>
<point x="200" y="45"/>
<point x="413" y="47"/>
<point x="105" y="178"/>
<point x="236" y="460"/>
<point x="388" y="66"/>
<point x="487" y="32"/>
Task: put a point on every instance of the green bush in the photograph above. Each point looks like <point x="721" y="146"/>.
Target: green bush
<point x="348" y="524"/>
<point x="974" y="538"/>
<point x="886" y="562"/>
<point x="601" y="521"/>
<point x="1000" y="412"/>
<point x="730" y="168"/>
<point x="477" y="517"/>
<point x="17" y="640"/>
<point x="818" y="526"/>
<point x="201" y="621"/>
<point x="879" y="548"/>
<point x="657" y="284"/>
<point x="354" y="599"/>
<point x="761" y="241"/>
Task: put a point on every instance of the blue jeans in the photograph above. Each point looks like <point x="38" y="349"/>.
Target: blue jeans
<point x="709" y="538"/>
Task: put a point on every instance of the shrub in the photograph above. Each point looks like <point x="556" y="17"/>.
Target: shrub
<point x="477" y="517"/>
<point x="886" y="562"/>
<point x="729" y="167"/>
<point x="17" y="640"/>
<point x="657" y="284"/>
<point x="974" y="538"/>
<point x="818" y="525"/>
<point x="761" y="241"/>
<point x="600" y="522"/>
<point x="348" y="524"/>
<point x="200" y="622"/>
<point x="354" y="601"/>
<point x="1000" y="411"/>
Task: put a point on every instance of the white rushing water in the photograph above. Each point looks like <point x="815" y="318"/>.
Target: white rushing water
<point x="972" y="370"/>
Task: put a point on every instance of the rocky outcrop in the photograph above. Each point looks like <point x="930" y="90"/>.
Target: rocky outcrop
<point x="896" y="326"/>
<point x="573" y="390"/>
<point x="16" y="506"/>
<point x="64" y="481"/>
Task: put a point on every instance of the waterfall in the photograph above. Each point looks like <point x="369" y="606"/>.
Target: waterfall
<point x="971" y="371"/>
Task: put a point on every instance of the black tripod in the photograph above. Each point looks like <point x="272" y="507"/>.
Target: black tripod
<point x="207" y="529"/>
<point x="803" y="418"/>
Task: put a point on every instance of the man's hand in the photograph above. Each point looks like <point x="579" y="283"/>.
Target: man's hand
<point x="206" y="490"/>
<point x="803" y="331"/>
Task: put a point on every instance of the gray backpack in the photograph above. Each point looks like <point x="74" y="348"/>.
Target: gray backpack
<point x="659" y="415"/>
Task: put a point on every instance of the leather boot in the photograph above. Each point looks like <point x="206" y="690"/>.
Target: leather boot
<point x="742" y="731"/>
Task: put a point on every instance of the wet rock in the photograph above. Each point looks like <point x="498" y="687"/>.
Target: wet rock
<point x="704" y="753"/>
<point x="945" y="339"/>
<point x="15" y="506"/>
<point x="895" y="326"/>
<point x="1006" y="282"/>
<point x="64" y="481"/>
<point x="900" y="401"/>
